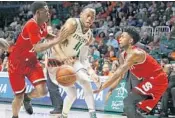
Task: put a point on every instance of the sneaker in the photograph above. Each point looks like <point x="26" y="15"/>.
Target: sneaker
<point x="27" y="104"/>
<point x="93" y="115"/>
<point x="56" y="111"/>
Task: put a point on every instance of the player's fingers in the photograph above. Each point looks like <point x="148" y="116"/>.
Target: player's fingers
<point x="68" y="61"/>
<point x="108" y="96"/>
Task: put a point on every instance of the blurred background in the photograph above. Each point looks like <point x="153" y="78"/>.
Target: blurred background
<point x="155" y="22"/>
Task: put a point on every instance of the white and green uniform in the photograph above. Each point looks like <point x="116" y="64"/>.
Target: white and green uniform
<point x="76" y="41"/>
<point x="76" y="45"/>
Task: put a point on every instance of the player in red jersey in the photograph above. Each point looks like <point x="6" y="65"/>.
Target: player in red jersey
<point x="23" y="61"/>
<point x="154" y="80"/>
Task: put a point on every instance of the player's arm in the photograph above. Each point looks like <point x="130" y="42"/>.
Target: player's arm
<point x="84" y="53"/>
<point x="117" y="81"/>
<point x="114" y="85"/>
<point x="35" y="38"/>
<point x="91" y="40"/>
<point x="123" y="68"/>
<point x="67" y="29"/>
<point x="50" y="36"/>
<point x="39" y="47"/>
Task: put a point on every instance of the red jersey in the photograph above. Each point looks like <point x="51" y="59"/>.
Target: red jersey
<point x="31" y="34"/>
<point x="154" y="82"/>
<point x="148" y="68"/>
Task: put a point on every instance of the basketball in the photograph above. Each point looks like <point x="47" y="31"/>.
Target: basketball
<point x="65" y="75"/>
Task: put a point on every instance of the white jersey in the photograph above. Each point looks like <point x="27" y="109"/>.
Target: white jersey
<point x="76" y="41"/>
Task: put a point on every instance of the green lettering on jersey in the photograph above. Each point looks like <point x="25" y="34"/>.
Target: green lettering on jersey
<point x="77" y="46"/>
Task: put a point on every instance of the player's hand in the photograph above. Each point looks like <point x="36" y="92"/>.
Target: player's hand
<point x="69" y="61"/>
<point x="108" y="95"/>
<point x="95" y="78"/>
<point x="98" y="90"/>
<point x="65" y="42"/>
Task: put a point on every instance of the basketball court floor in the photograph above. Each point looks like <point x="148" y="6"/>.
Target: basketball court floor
<point x="43" y="112"/>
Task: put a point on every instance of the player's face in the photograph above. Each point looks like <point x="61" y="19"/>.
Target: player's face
<point x="125" y="40"/>
<point x="44" y="14"/>
<point x="87" y="17"/>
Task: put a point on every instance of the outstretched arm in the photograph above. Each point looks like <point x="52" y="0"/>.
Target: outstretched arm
<point x="112" y="87"/>
<point x="66" y="30"/>
<point x="123" y="68"/>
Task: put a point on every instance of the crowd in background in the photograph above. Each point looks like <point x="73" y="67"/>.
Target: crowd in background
<point x="154" y="21"/>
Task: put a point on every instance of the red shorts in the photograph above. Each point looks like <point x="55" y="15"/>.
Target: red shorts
<point x="17" y="76"/>
<point x="154" y="87"/>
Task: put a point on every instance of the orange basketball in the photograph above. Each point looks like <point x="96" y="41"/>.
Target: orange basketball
<point x="66" y="75"/>
<point x="172" y="55"/>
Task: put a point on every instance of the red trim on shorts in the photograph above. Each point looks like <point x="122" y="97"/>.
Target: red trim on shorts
<point x="21" y="91"/>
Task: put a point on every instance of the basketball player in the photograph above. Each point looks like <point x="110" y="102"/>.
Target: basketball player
<point x="148" y="92"/>
<point x="76" y="37"/>
<point x="23" y="62"/>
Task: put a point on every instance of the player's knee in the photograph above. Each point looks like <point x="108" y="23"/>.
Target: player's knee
<point x="72" y="94"/>
<point x="42" y="90"/>
<point x="19" y="97"/>
<point x="87" y="89"/>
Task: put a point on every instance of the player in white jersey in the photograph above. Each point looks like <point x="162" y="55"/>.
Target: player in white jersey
<point x="76" y="37"/>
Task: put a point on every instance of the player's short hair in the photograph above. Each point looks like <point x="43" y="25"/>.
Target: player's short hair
<point x="87" y="7"/>
<point x="134" y="34"/>
<point x="37" y="5"/>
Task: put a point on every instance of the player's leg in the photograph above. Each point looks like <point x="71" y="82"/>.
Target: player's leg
<point x="88" y="93"/>
<point x="68" y="100"/>
<point x="55" y="96"/>
<point x="130" y="107"/>
<point x="36" y="77"/>
<point x="84" y="82"/>
<point x="18" y="86"/>
<point x="16" y="104"/>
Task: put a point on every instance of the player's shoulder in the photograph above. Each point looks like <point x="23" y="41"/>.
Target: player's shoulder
<point x="31" y="23"/>
<point x="72" y="21"/>
<point x="138" y="51"/>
